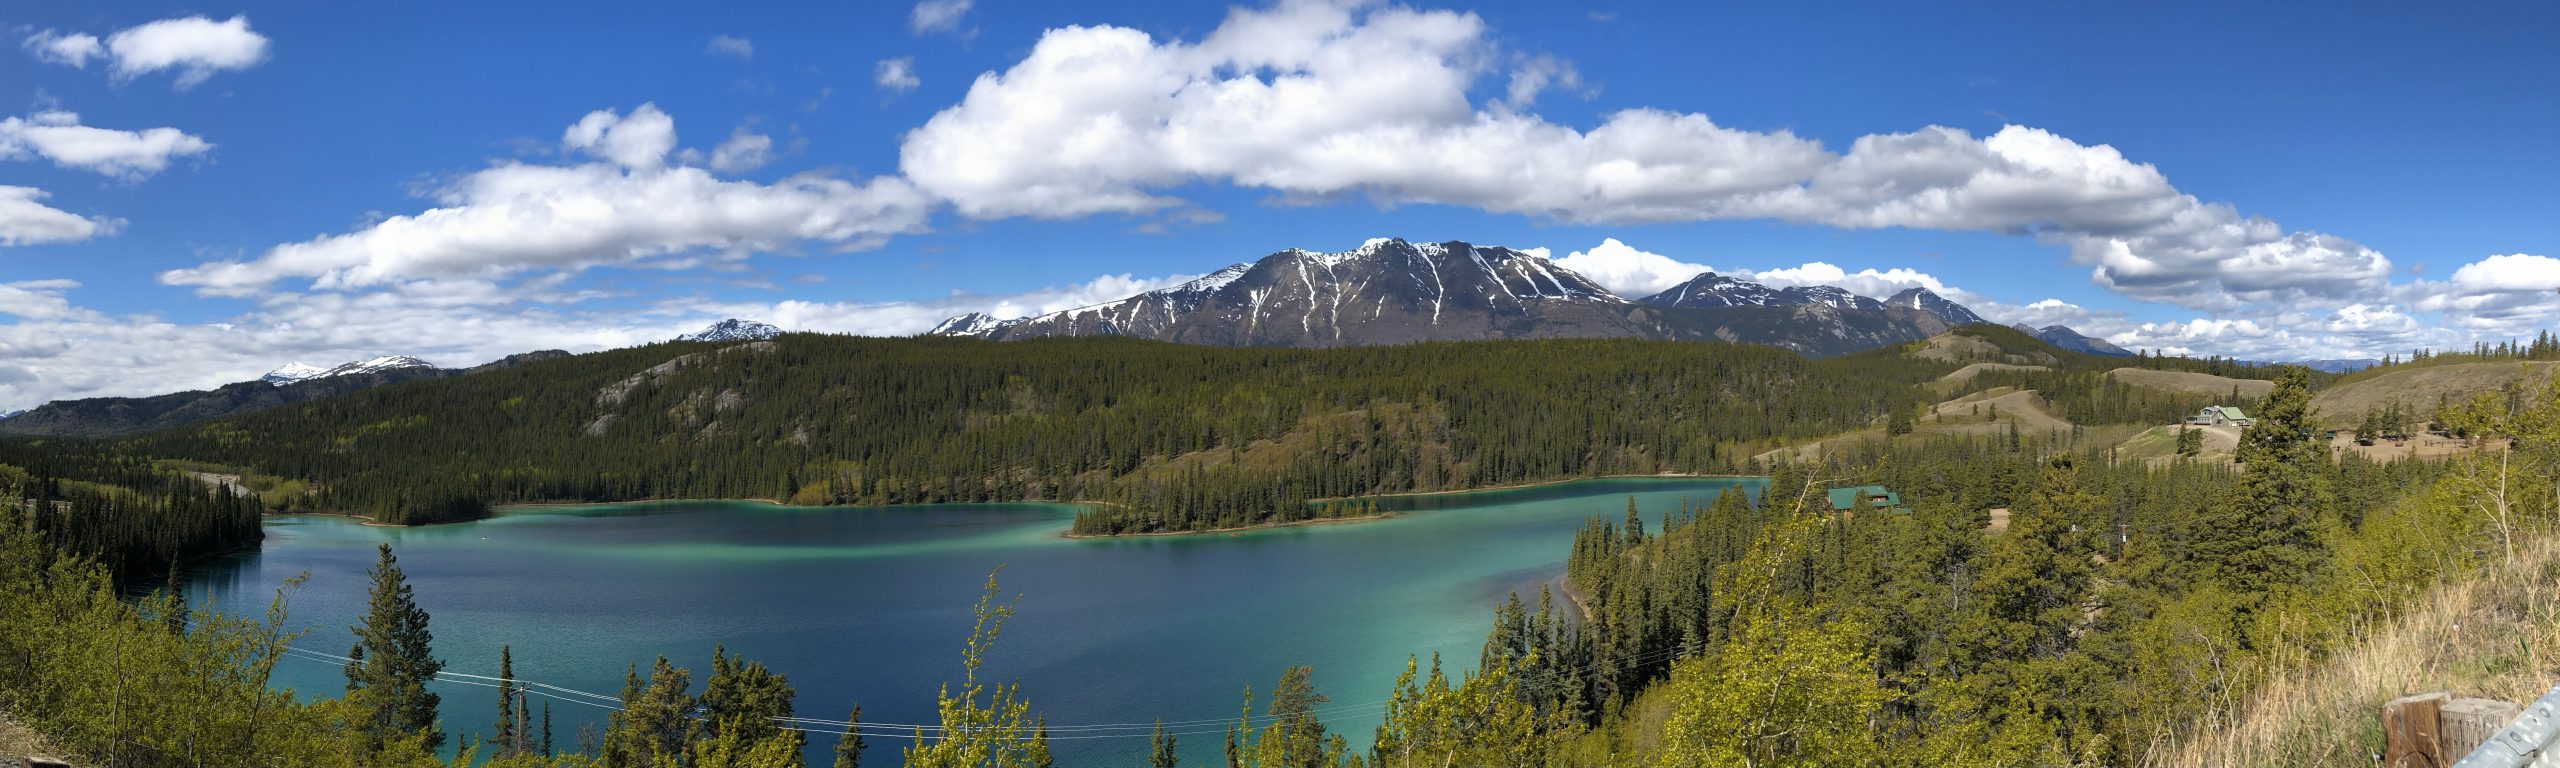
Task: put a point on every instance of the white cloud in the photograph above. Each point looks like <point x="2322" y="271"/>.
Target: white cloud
<point x="58" y="136"/>
<point x="638" y="142"/>
<point x="2496" y="297"/>
<point x="37" y="299"/>
<point x="633" y="211"/>
<point x="938" y="15"/>
<point x="55" y="48"/>
<point x="196" y="47"/>
<point x="1315" y="101"/>
<point x="26" y="221"/>
<point x="59" y="350"/>
<point x="896" y="75"/>
<point x="731" y="45"/>
<point x="1629" y="271"/>
<point x="743" y="151"/>
<point x="2512" y="272"/>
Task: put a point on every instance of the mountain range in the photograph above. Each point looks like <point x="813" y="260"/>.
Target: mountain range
<point x="293" y="383"/>
<point x="733" y="329"/>
<point x="298" y="371"/>
<point x="1391" y="291"/>
<point x="1387" y="291"/>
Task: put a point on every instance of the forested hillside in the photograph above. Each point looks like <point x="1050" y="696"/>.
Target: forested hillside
<point x="1164" y="436"/>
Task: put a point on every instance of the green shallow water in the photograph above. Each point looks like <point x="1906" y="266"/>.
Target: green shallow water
<point x="871" y="603"/>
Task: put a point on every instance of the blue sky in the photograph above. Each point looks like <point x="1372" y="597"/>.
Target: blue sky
<point x="193" y="194"/>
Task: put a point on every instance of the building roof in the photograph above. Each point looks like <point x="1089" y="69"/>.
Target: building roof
<point x="1864" y="496"/>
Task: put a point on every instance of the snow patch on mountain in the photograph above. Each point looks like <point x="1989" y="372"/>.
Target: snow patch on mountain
<point x="298" y="372"/>
<point x="733" y="329"/>
<point x="292" y="372"/>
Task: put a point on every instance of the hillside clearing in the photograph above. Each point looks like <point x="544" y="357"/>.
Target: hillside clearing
<point x="2420" y="388"/>
<point x="1967" y="373"/>
<point x="2191" y="383"/>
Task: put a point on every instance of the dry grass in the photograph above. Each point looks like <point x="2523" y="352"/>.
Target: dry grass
<point x="2420" y="387"/>
<point x="17" y="741"/>
<point x="2495" y="635"/>
<point x="2186" y="382"/>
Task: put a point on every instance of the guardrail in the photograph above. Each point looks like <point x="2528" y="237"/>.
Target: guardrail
<point x="2531" y="741"/>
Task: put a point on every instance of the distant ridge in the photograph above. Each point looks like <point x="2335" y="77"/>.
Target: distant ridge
<point x="733" y="329"/>
<point x="1392" y="291"/>
<point x="120" y="416"/>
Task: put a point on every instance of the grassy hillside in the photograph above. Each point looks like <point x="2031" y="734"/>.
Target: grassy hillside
<point x="2188" y="382"/>
<point x="2422" y="387"/>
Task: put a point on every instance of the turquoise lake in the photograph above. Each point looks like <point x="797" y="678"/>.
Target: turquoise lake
<point x="872" y="603"/>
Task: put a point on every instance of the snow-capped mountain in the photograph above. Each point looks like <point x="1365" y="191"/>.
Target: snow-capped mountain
<point x="7" y="414"/>
<point x="1924" y="300"/>
<point x="1384" y="292"/>
<point x="733" y="329"/>
<point x="1709" y="290"/>
<point x="292" y="372"/>
<point x="298" y="372"/>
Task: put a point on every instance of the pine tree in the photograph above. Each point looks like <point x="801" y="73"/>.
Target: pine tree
<point x="1160" y="748"/>
<point x="2268" y="533"/>
<point x="849" y="745"/>
<point x="509" y="742"/>
<point x="392" y="662"/>
<point x="1039" y="752"/>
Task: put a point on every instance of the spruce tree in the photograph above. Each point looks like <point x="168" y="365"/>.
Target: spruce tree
<point x="849" y="745"/>
<point x="1160" y="748"/>
<point x="508" y="740"/>
<point x="2268" y="532"/>
<point x="391" y="662"/>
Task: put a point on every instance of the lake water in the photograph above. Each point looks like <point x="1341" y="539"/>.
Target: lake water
<point x="872" y="603"/>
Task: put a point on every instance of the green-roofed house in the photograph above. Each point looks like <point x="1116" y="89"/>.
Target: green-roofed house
<point x="2222" y="416"/>
<point x="1856" y="498"/>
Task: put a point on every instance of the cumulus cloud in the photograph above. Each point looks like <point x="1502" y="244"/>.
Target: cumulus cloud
<point x="195" y="47"/>
<point x="37" y="299"/>
<point x="639" y="142"/>
<point x="1318" y="100"/>
<point x="56" y="48"/>
<point x="1629" y="271"/>
<point x="743" y="151"/>
<point x="896" y="75"/>
<point x="2495" y="296"/>
<point x="938" y="15"/>
<point x="26" y="220"/>
<point x="731" y="45"/>
<point x="632" y="209"/>
<point x="1636" y="273"/>
<point x="130" y="155"/>
<point x="55" y="349"/>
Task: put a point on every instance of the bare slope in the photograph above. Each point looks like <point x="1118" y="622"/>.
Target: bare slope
<point x="2191" y="383"/>
<point x="2420" y="388"/>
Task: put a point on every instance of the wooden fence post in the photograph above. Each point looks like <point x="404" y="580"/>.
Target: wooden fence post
<point x="2468" y="723"/>
<point x="2409" y="726"/>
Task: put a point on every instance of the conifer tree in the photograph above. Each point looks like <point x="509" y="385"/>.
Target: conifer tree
<point x="391" y="662"/>
<point x="2268" y="532"/>
<point x="1160" y="748"/>
<point x="508" y="740"/>
<point x="849" y="744"/>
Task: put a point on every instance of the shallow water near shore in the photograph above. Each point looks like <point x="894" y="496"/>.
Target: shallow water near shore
<point x="872" y="603"/>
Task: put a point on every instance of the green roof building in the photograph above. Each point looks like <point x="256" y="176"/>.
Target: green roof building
<point x="1864" y="497"/>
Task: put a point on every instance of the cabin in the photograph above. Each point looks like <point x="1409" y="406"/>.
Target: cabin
<point x="2221" y="416"/>
<point x="1874" y="497"/>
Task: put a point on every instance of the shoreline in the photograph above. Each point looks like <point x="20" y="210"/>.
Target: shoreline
<point x="1543" y="483"/>
<point x="1071" y="534"/>
<point x="497" y="510"/>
